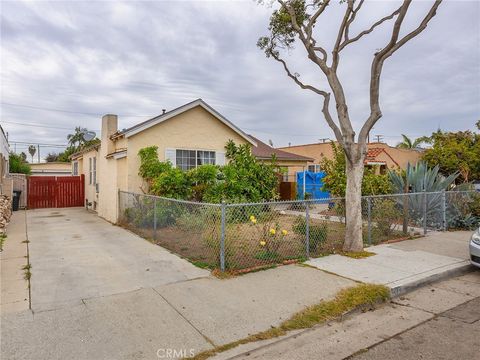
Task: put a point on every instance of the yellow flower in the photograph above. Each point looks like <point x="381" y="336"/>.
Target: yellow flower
<point x="272" y="231"/>
<point x="284" y="232"/>
<point x="252" y="219"/>
<point x="263" y="243"/>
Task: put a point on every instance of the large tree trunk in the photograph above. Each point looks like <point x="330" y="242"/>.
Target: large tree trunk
<point x="353" y="203"/>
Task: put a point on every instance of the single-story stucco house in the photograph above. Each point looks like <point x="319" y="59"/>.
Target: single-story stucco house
<point x="190" y="135"/>
<point x="53" y="168"/>
<point x="379" y="155"/>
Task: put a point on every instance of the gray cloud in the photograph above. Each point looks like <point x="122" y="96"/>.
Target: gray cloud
<point x="136" y="58"/>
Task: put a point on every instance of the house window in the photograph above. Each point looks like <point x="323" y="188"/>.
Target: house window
<point x="205" y="157"/>
<point x="314" y="168"/>
<point x="75" y="168"/>
<point x="95" y="170"/>
<point x="190" y="159"/>
<point x="90" y="173"/>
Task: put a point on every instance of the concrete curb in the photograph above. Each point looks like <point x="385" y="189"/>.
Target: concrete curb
<point x="402" y="287"/>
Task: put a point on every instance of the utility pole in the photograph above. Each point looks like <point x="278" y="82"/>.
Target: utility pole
<point x="379" y="138"/>
<point x="38" y="150"/>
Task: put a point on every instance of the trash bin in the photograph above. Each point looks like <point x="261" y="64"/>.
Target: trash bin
<point x="16" y="200"/>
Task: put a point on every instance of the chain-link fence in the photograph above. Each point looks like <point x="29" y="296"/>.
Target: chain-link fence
<point x="251" y="235"/>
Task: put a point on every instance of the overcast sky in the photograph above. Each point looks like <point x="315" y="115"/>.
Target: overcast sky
<point x="136" y="58"/>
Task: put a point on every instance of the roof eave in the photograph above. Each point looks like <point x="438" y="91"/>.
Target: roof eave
<point x="199" y="102"/>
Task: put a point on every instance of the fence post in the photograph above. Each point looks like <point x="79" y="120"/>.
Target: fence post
<point x="307" y="229"/>
<point x="155" y="218"/>
<point x="369" y="214"/>
<point x="424" y="212"/>
<point x="222" y="239"/>
<point x="444" y="210"/>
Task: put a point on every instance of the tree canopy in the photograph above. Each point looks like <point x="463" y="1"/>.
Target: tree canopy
<point x="455" y="152"/>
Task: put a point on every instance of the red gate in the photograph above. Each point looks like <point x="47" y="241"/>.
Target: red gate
<point x="55" y="191"/>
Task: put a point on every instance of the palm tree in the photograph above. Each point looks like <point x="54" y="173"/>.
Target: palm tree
<point x="407" y="143"/>
<point x="77" y="138"/>
<point x="32" y="150"/>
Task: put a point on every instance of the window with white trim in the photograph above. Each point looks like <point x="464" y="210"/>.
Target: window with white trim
<point x="90" y="172"/>
<point x="75" y="168"/>
<point x="94" y="170"/>
<point x="190" y="159"/>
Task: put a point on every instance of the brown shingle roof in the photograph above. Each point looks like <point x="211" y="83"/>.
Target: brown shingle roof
<point x="264" y="151"/>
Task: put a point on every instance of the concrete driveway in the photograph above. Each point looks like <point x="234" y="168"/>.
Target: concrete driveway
<point x="75" y="255"/>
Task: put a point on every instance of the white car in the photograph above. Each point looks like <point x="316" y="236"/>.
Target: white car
<point x="475" y="248"/>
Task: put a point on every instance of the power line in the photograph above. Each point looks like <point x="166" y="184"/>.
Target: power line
<point x="38" y="125"/>
<point x="36" y="143"/>
<point x="65" y="111"/>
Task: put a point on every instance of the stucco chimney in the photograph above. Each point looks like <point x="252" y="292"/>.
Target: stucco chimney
<point x="109" y="127"/>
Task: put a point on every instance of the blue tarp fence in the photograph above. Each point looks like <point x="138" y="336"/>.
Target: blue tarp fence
<point x="313" y="185"/>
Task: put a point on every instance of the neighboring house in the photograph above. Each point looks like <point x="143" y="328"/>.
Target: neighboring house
<point x="51" y="169"/>
<point x="290" y="163"/>
<point x="380" y="155"/>
<point x="5" y="181"/>
<point x="188" y="136"/>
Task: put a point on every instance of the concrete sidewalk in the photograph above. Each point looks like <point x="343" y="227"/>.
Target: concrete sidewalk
<point x="439" y="321"/>
<point x="405" y="265"/>
<point x="14" y="287"/>
<point x="93" y="298"/>
<point x="101" y="292"/>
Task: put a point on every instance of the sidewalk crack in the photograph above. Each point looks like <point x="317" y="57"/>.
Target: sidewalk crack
<point x="187" y="320"/>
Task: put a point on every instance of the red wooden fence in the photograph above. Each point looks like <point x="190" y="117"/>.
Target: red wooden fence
<point x="55" y="191"/>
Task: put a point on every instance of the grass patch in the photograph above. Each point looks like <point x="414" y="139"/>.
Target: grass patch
<point x="363" y="295"/>
<point x="357" y="255"/>
<point x="2" y="240"/>
<point x="27" y="273"/>
<point x="202" y="265"/>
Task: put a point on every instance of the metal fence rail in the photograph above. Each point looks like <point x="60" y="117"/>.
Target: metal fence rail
<point x="249" y="235"/>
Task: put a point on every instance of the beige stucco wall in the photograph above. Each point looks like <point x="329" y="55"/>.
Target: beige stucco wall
<point x="401" y="156"/>
<point x="195" y="129"/>
<point x="51" y="166"/>
<point x="51" y="169"/>
<point x="83" y="168"/>
<point x="319" y="151"/>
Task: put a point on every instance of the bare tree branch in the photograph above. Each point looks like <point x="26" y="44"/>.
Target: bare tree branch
<point x="326" y="97"/>
<point x="313" y="19"/>
<point x="352" y="18"/>
<point x="322" y="51"/>
<point x="380" y="57"/>
<point x="418" y="30"/>
<point x="340" y="35"/>
<point x="368" y="31"/>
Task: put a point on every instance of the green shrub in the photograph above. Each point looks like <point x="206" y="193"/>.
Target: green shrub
<point x="150" y="165"/>
<point x="142" y="214"/>
<point x="317" y="232"/>
<point x="18" y="165"/>
<point x="385" y="215"/>
<point x="172" y="183"/>
<point x="244" y="178"/>
<point x="203" y="178"/>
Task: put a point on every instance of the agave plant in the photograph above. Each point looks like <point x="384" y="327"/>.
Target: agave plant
<point x="419" y="178"/>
